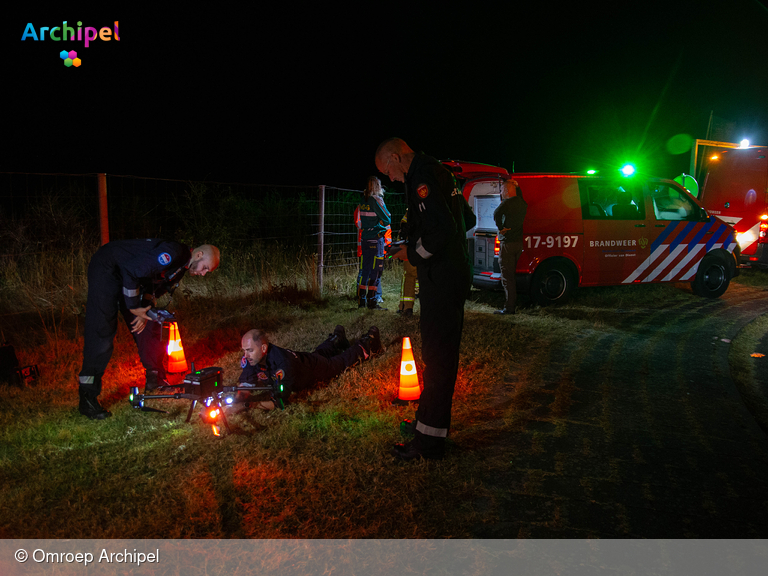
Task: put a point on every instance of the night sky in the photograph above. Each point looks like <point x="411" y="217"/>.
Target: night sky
<point x="303" y="93"/>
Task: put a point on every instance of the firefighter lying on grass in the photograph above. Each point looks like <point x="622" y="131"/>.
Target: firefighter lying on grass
<point x="263" y="363"/>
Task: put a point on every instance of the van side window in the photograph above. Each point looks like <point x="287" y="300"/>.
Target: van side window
<point x="670" y="204"/>
<point x="602" y="200"/>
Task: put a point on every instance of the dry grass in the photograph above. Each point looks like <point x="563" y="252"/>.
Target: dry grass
<point x="319" y="469"/>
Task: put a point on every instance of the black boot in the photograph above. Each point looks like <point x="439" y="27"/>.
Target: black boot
<point x="89" y="405"/>
<point x="372" y="303"/>
<point x="422" y="446"/>
<point x="372" y="341"/>
<point x="361" y="297"/>
<point x="153" y="381"/>
<point x="339" y="338"/>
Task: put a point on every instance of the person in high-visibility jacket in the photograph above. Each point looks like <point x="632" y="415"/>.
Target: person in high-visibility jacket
<point x="374" y="221"/>
<point x="410" y="280"/>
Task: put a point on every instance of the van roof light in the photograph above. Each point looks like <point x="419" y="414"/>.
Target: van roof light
<point x="627" y="169"/>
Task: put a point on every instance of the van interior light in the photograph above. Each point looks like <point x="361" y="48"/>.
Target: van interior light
<point x="715" y="157"/>
<point x="764" y="217"/>
<point x="744" y="143"/>
<point x="627" y="169"/>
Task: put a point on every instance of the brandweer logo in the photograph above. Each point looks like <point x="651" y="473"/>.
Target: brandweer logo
<point x="66" y="33"/>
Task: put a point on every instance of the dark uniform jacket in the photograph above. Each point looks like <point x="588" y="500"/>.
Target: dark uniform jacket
<point x="511" y="214"/>
<point x="438" y="218"/>
<point x="296" y="370"/>
<point x="152" y="266"/>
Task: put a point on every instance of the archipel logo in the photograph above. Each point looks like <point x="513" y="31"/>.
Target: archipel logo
<point x="70" y="58"/>
<point x="643" y="242"/>
<point x="67" y="34"/>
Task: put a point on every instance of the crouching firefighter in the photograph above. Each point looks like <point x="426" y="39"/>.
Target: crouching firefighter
<point x="264" y="364"/>
<point x="119" y="275"/>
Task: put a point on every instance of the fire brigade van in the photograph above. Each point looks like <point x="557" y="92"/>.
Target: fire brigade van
<point x="735" y="190"/>
<point x="584" y="230"/>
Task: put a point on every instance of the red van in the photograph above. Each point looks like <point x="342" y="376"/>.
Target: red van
<point x="735" y="190"/>
<point x="597" y="231"/>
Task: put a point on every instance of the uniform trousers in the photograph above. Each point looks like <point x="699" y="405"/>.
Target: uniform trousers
<point x="509" y="254"/>
<point x="105" y="299"/>
<point x="371" y="264"/>
<point x="327" y="362"/>
<point x="443" y="289"/>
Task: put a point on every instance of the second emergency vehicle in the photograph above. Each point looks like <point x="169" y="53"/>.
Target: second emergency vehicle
<point x="735" y="190"/>
<point x="599" y="231"/>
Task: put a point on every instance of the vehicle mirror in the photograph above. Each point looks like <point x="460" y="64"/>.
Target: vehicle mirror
<point x="689" y="183"/>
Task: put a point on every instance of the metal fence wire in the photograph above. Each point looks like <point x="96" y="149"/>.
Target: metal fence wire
<point x="49" y="212"/>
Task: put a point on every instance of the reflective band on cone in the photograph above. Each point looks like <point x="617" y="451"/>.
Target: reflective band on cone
<point x="176" y="360"/>
<point x="409" y="379"/>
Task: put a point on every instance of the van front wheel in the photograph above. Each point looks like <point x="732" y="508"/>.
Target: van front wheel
<point x="552" y="283"/>
<point x="712" y="277"/>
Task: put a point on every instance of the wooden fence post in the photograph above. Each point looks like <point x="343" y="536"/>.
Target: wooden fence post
<point x="103" y="209"/>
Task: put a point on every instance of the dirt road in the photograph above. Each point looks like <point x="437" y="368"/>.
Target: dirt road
<point x="638" y="431"/>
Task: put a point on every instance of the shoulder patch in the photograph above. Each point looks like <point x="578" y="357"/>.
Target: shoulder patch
<point x="243" y="362"/>
<point x="164" y="258"/>
<point x="280" y="374"/>
<point x="262" y="375"/>
<point x="422" y="190"/>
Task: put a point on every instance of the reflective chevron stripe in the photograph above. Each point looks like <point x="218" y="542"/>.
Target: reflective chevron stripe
<point x="676" y="253"/>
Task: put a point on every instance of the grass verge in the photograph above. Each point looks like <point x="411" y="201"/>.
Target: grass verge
<point x="320" y="469"/>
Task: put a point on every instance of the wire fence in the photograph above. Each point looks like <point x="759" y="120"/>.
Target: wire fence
<point x="50" y="213"/>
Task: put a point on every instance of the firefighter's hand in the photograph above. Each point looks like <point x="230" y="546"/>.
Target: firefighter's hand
<point x="401" y="253"/>
<point x="138" y="323"/>
<point x="504" y="231"/>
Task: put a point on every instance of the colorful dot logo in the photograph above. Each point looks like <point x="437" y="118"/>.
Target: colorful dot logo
<point x="70" y="58"/>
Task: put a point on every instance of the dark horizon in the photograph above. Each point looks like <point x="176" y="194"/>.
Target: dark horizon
<point x="278" y="97"/>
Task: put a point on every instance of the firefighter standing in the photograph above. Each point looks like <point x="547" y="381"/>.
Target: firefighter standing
<point x="118" y="275"/>
<point x="438" y="217"/>
<point x="264" y="362"/>
<point x="509" y="217"/>
<point x="374" y="221"/>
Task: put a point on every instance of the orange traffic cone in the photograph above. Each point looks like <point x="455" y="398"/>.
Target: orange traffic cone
<point x="409" y="380"/>
<point x="176" y="360"/>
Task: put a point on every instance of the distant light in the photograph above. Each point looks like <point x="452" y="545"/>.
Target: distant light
<point x="591" y="171"/>
<point x="744" y="143"/>
<point x="628" y="170"/>
<point x="715" y="157"/>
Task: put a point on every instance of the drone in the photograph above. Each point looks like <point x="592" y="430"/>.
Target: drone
<point x="206" y="387"/>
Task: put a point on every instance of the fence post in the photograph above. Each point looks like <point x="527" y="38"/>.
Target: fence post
<point x="321" y="241"/>
<point x="103" y="211"/>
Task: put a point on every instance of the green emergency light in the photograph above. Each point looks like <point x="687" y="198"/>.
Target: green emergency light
<point x="627" y="169"/>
